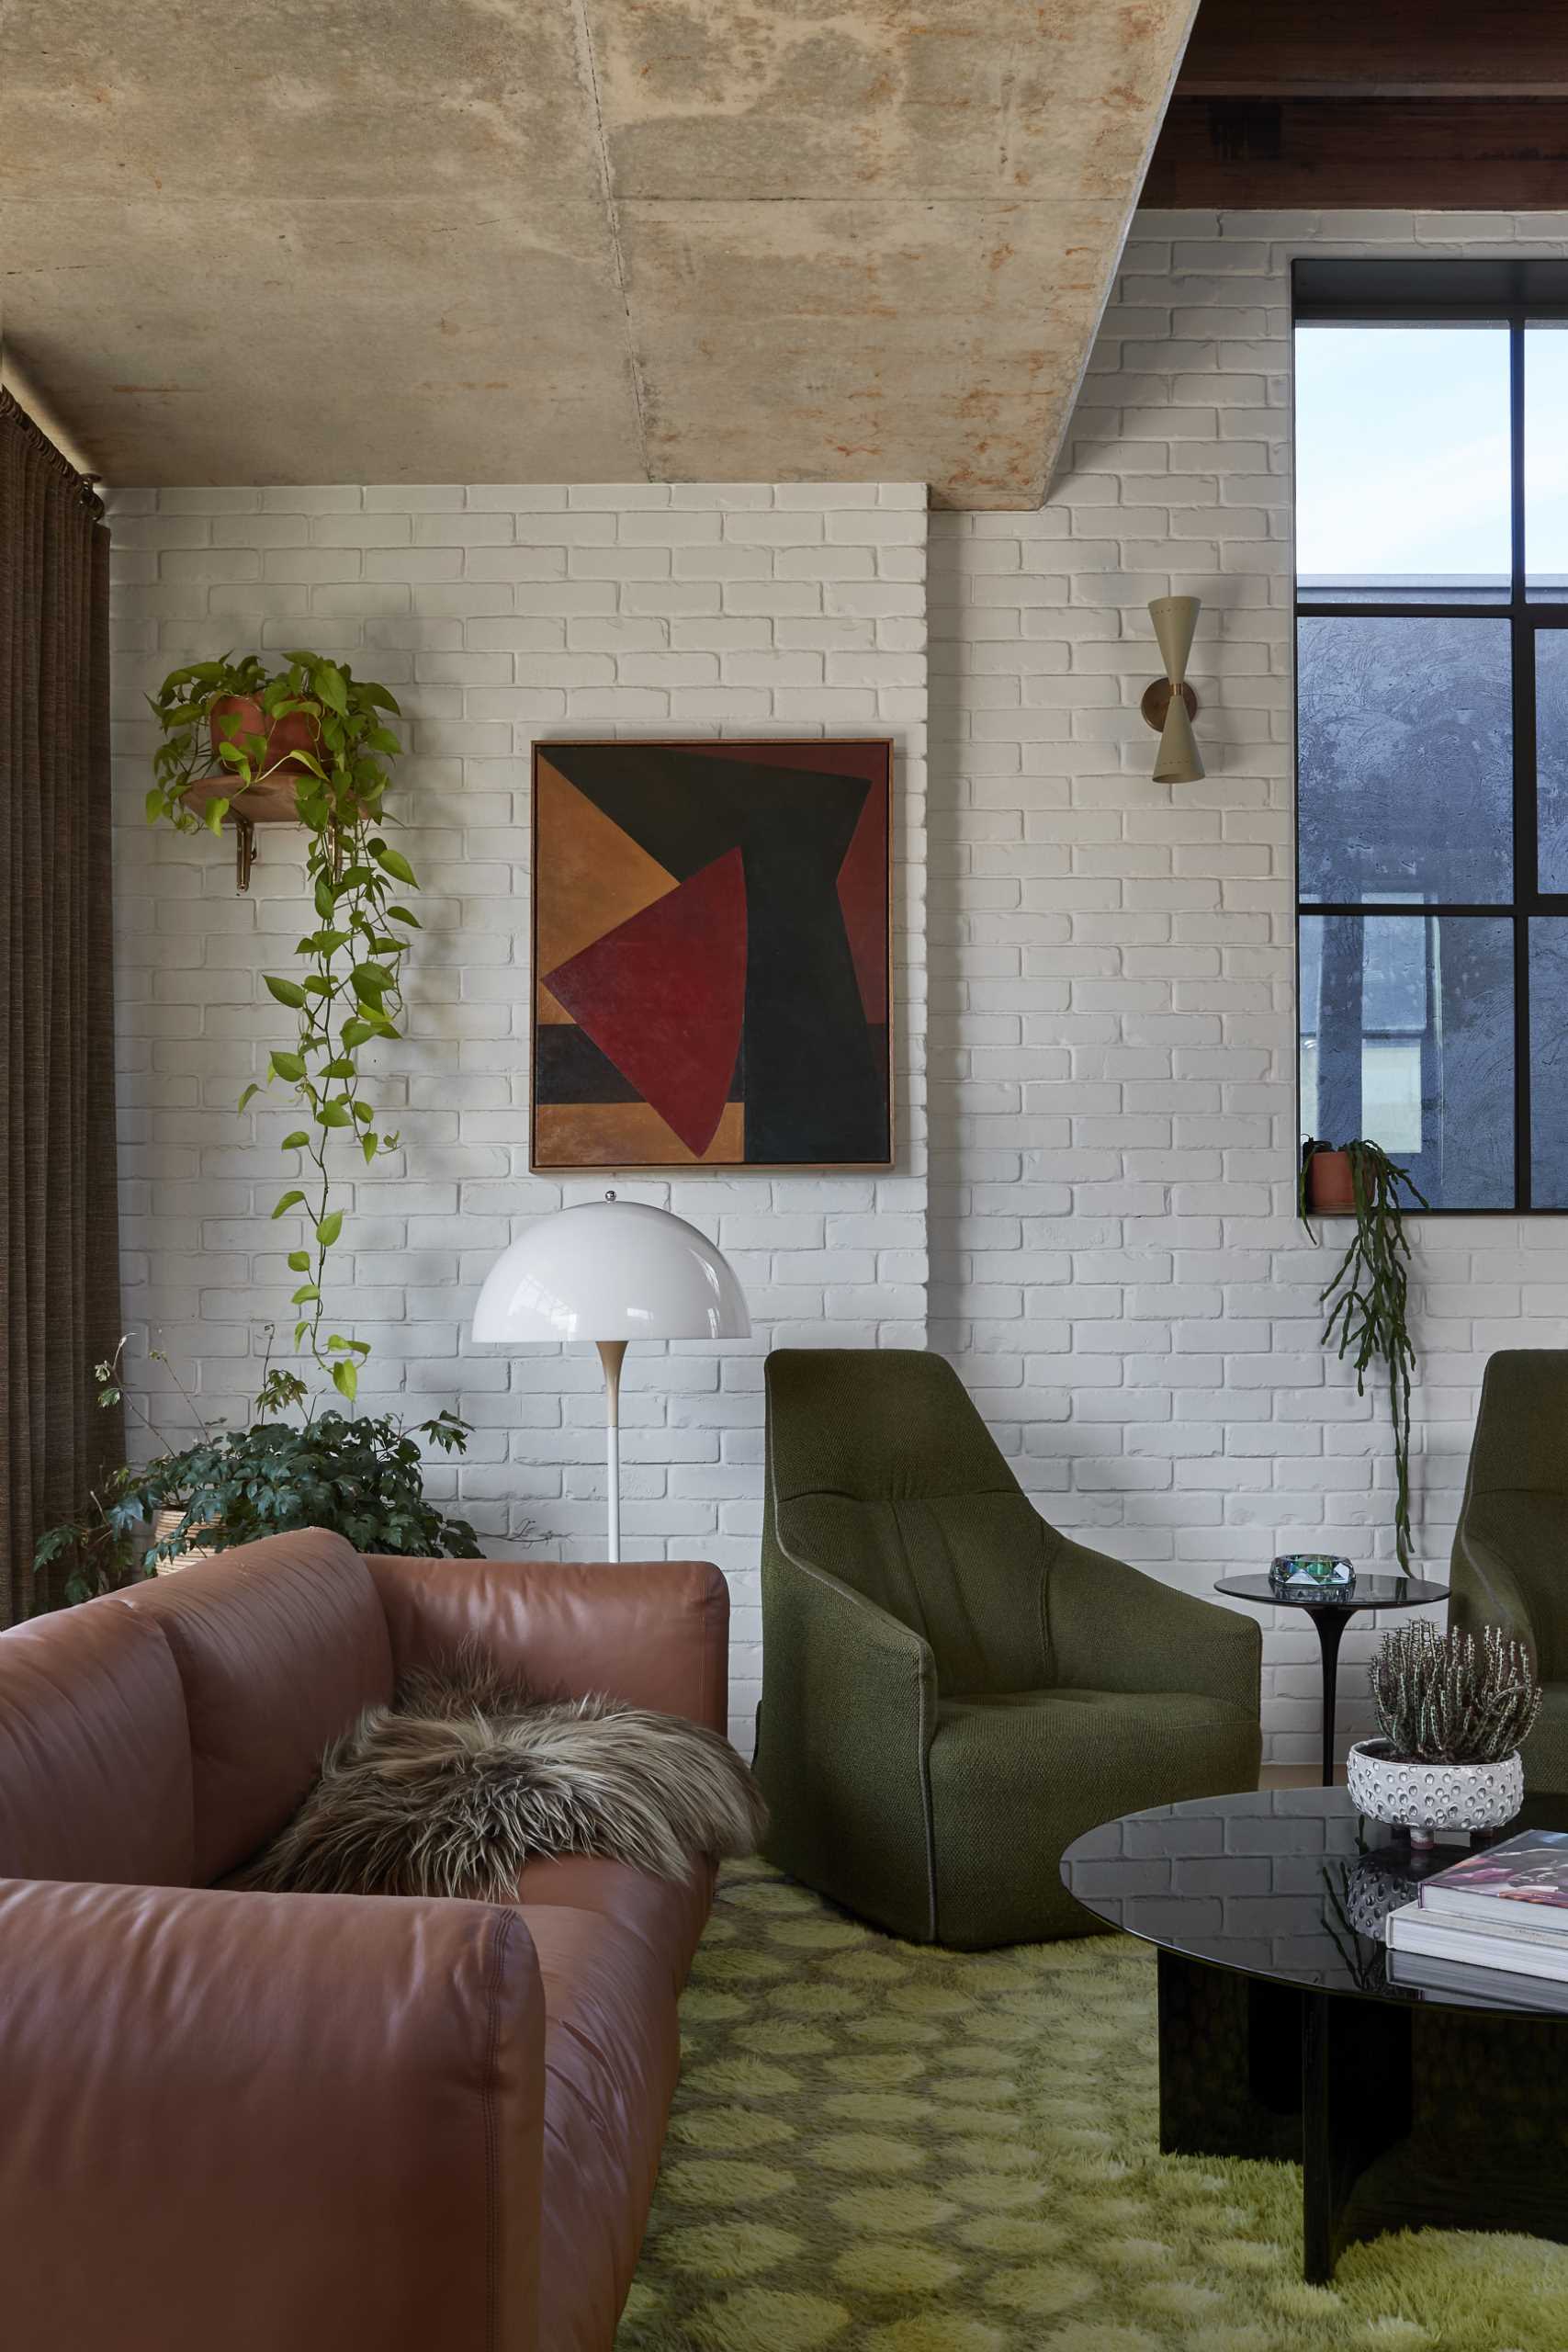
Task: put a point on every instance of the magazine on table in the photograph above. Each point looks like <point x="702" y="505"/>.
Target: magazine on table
<point x="1414" y="1930"/>
<point x="1525" y="1880"/>
<point x="1458" y="1983"/>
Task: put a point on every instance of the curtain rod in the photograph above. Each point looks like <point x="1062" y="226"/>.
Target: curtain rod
<point x="13" y="413"/>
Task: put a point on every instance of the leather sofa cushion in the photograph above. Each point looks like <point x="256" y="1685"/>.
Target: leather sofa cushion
<point x="95" y="1755"/>
<point x="612" y="2055"/>
<point x="279" y="1646"/>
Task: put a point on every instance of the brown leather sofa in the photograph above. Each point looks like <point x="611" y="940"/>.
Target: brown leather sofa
<point x="321" y="2123"/>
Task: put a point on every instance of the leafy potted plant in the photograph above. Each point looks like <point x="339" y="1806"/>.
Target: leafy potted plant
<point x="314" y="732"/>
<point x="1453" y="1710"/>
<point x="1368" y="1296"/>
<point x="360" y="1476"/>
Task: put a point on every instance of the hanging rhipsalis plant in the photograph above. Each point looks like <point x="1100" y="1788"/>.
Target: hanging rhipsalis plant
<point x="313" y="732"/>
<point x="1369" y="1295"/>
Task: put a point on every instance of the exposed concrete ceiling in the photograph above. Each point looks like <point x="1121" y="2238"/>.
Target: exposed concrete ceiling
<point x="572" y="240"/>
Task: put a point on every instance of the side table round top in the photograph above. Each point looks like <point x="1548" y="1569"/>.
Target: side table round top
<point x="1367" y="1592"/>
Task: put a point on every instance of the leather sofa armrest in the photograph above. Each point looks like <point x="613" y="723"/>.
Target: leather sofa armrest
<point x="653" y="1633"/>
<point x="263" y="2119"/>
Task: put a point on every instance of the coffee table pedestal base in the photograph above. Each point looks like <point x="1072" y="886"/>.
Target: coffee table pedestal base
<point x="1401" y="2118"/>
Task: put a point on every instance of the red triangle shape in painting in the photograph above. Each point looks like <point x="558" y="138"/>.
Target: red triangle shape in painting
<point x="663" y="995"/>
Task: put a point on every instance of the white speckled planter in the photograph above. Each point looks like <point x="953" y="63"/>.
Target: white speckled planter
<point x="1426" y="1798"/>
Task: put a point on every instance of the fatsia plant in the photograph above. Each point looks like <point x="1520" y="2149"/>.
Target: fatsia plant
<point x="1368" y="1298"/>
<point x="361" y="1477"/>
<point x="350" y="993"/>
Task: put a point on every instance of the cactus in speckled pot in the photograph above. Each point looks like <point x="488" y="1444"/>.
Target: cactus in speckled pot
<point x="1453" y="1698"/>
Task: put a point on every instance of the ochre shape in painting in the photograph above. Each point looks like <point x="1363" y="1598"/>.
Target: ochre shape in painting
<point x="863" y="900"/>
<point x="663" y="995"/>
<point x="599" y="876"/>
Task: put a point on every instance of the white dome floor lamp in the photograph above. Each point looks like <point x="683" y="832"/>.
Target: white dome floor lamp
<point x="611" y="1271"/>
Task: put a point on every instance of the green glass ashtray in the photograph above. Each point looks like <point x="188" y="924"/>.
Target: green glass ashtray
<point x="1312" y="1575"/>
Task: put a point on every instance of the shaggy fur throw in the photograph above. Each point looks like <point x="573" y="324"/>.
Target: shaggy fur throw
<point x="465" y="1778"/>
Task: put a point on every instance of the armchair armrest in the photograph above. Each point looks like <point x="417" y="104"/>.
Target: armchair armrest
<point x="1112" y="1628"/>
<point x="261" y="2119"/>
<point x="847" y="1716"/>
<point x="654" y="1632"/>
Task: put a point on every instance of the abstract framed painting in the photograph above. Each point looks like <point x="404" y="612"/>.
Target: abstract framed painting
<point x="712" y="955"/>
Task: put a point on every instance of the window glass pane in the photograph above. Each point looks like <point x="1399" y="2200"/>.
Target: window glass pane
<point x="1545" y="461"/>
<point x="1549" y="1062"/>
<point x="1551" y="756"/>
<point x="1405" y="759"/>
<point x="1439" y="1098"/>
<point x="1402" y="460"/>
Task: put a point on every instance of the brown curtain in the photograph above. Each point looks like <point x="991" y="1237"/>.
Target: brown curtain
<point x="59" y="1232"/>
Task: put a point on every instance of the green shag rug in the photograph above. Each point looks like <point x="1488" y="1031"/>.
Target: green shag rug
<point x="878" y="2147"/>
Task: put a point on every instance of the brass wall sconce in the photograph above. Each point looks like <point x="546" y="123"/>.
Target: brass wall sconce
<point x="1170" y="705"/>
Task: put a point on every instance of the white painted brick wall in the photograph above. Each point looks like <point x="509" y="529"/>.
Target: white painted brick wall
<point x="499" y="614"/>
<point x="1115" y="1263"/>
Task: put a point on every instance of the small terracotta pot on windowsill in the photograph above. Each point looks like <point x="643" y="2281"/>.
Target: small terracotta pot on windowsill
<point x="1330" y="1189"/>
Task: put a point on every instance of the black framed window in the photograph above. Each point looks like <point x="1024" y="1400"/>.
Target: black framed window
<point x="1431" y="404"/>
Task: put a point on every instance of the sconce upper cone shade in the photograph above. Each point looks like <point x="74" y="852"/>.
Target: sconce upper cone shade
<point x="1174" y="619"/>
<point x="1176" y="760"/>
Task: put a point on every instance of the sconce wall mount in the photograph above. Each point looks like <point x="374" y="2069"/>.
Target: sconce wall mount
<point x="1170" y="705"/>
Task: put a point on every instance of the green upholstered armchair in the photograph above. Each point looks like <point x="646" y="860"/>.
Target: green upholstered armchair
<point x="1510" y="1556"/>
<point x="951" y="1691"/>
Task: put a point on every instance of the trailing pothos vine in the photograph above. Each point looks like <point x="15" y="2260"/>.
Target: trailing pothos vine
<point x="1368" y="1297"/>
<point x="315" y="726"/>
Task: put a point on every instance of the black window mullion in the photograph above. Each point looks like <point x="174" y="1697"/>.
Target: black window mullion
<point x="1525" y="839"/>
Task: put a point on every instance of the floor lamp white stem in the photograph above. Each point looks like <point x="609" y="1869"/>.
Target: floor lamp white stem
<point x="612" y="1355"/>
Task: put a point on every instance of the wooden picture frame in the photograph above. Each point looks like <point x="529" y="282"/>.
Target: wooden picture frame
<point x="712" y="934"/>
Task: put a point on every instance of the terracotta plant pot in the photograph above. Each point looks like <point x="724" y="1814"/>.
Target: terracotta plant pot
<point x="296" y="731"/>
<point x="1330" y="1188"/>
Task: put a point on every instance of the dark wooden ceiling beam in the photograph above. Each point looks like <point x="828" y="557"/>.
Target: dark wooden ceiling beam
<point x="1388" y="48"/>
<point x="1447" y="155"/>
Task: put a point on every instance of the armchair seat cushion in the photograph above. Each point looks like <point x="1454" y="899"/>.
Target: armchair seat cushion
<point x="1016" y="1776"/>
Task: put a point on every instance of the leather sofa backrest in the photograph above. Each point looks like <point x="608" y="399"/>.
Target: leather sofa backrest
<point x="278" y="1645"/>
<point x="95" y="1754"/>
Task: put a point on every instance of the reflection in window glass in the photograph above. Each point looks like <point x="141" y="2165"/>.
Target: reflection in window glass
<point x="1549" y="1061"/>
<point x="1545" y="461"/>
<point x="1437" y="1093"/>
<point x="1551" y="756"/>
<point x="1402" y="460"/>
<point x="1405" y="759"/>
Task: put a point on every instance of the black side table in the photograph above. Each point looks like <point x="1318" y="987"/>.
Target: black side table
<point x="1330" y="1617"/>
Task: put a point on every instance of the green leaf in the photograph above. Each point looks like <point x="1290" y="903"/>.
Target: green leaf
<point x="216" y="811"/>
<point x="289" y="1065"/>
<point x="288" y="1201"/>
<point x="401" y="914"/>
<point x="345" y="1380"/>
<point x="328" y="682"/>
<point x="248" y="1096"/>
<point x="363" y="1113"/>
<point x="367" y="1146"/>
<point x="306" y="1291"/>
<point x="295" y="1142"/>
<point x="326" y="898"/>
<point x="356" y="1032"/>
<point x="393" y="862"/>
<point x="332" y="1114"/>
<point x="288" y="992"/>
<point x="329" y="1228"/>
<point x="301" y="1329"/>
<point x="339" y="1067"/>
<point x="299" y="1261"/>
<point x="155" y="803"/>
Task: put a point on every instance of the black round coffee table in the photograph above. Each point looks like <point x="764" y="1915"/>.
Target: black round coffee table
<point x="1412" y="2092"/>
<point x="1330" y="1617"/>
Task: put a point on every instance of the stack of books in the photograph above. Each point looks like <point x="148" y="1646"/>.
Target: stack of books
<point x="1505" y="1908"/>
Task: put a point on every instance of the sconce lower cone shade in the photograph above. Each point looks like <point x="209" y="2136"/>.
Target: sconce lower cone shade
<point x="1176" y="760"/>
<point x="1175" y="619"/>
